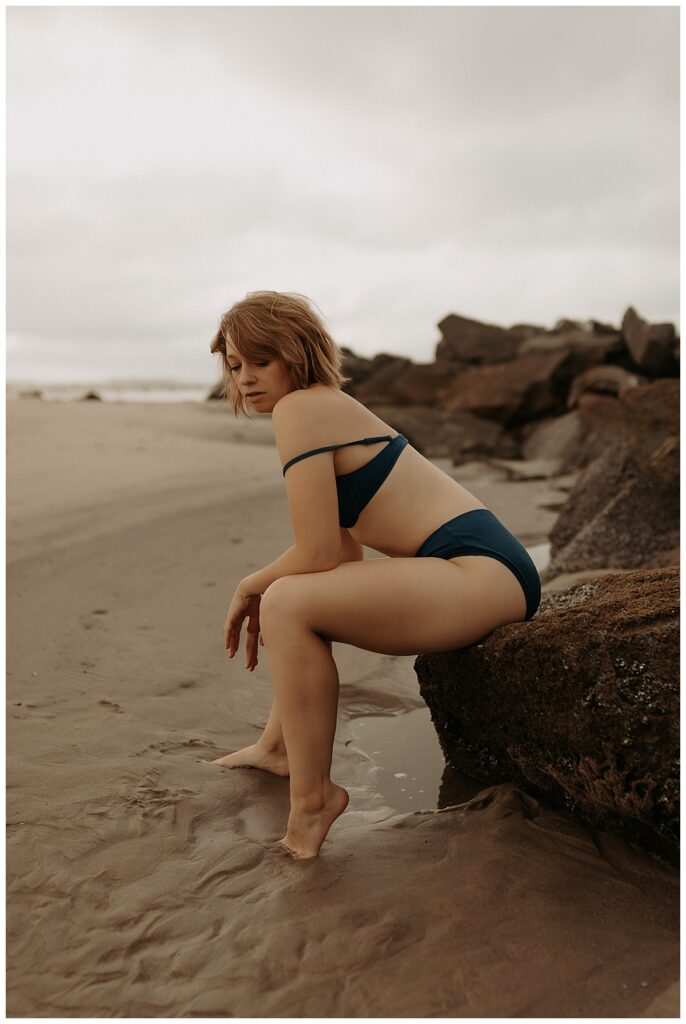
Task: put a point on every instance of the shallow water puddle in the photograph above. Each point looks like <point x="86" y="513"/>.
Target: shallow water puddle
<point x="412" y="775"/>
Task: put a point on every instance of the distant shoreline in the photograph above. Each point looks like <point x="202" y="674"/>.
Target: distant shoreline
<point x="110" y="391"/>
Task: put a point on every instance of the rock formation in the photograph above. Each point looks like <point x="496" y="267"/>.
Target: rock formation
<point x="580" y="705"/>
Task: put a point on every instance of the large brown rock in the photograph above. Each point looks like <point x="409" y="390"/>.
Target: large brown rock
<point x="580" y="705"/>
<point x="602" y="380"/>
<point x="511" y="392"/>
<point x="591" y="345"/>
<point x="416" y="384"/>
<point x="623" y="511"/>
<point x="556" y="437"/>
<point x="470" y="341"/>
<point x="438" y="434"/>
<point x="651" y="345"/>
<point x="383" y="369"/>
<point x="577" y="437"/>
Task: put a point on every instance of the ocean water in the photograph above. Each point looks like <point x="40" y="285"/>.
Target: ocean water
<point x="112" y="391"/>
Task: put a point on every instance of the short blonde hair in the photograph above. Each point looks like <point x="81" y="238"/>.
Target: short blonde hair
<point x="280" y="324"/>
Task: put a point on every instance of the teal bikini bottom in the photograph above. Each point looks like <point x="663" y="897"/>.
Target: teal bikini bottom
<point x="480" y="532"/>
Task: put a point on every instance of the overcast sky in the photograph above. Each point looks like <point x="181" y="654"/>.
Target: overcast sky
<point x="394" y="164"/>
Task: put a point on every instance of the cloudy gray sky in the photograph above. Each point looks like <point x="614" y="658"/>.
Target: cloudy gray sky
<point x="394" y="164"/>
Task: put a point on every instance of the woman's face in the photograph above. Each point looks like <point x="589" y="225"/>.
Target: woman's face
<point x="269" y="376"/>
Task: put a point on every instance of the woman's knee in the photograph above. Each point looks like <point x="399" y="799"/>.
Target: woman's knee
<point x="281" y="599"/>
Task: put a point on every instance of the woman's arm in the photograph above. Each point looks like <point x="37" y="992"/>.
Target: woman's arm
<point x="292" y="562"/>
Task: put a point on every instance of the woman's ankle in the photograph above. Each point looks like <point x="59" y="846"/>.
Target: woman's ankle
<point x="271" y="746"/>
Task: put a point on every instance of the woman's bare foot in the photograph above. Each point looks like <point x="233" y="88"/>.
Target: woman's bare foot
<point x="256" y="756"/>
<point x="308" y="826"/>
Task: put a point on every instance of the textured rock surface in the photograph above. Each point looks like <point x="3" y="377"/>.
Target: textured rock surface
<point x="651" y="345"/>
<point x="623" y="511"/>
<point x="513" y="392"/>
<point x="579" y="705"/>
<point x="471" y="341"/>
<point x="603" y="380"/>
<point x="439" y="434"/>
<point x="595" y="346"/>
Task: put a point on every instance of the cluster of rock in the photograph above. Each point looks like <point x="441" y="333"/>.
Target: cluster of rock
<point x="580" y="704"/>
<point x="513" y="392"/>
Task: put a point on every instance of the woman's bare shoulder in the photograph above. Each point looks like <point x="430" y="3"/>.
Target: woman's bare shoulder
<point x="305" y="418"/>
<point x="315" y="405"/>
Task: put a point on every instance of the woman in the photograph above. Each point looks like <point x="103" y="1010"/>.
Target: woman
<point x="453" y="572"/>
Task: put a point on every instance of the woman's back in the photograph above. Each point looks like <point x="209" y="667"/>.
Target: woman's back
<point x="414" y="499"/>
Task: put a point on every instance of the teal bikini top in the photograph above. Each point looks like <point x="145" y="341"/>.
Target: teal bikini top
<point x="356" y="489"/>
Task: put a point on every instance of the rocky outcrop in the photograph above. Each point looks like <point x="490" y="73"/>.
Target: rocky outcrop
<point x="579" y="705"/>
<point x="590" y="345"/>
<point x="439" y="434"/>
<point x="537" y="385"/>
<point x="651" y="345"/>
<point x="467" y="341"/>
<point x="602" y="380"/>
<point x="511" y="392"/>
<point x="623" y="511"/>
<point x="383" y="370"/>
<point x="556" y="437"/>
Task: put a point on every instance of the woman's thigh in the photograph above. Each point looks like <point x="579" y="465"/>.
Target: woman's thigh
<point x="395" y="606"/>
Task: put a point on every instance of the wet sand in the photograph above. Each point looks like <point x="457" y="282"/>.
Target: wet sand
<point x="144" y="882"/>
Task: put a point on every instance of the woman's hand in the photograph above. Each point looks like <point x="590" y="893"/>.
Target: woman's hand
<point x="243" y="606"/>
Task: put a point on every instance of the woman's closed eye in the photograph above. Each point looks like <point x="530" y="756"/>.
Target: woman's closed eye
<point x="235" y="368"/>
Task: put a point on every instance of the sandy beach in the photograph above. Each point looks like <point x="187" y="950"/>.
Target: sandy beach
<point x="143" y="881"/>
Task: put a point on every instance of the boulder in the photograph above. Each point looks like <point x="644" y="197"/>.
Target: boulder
<point x="592" y="347"/>
<point x="623" y="511"/>
<point x="579" y="706"/>
<point x="467" y="341"/>
<point x="651" y="345"/>
<point x="438" y="434"/>
<point x="602" y="425"/>
<point x="419" y="383"/>
<point x="511" y="392"/>
<point x="603" y="380"/>
<point x="556" y="437"/>
<point x="383" y="370"/>
<point x="91" y="396"/>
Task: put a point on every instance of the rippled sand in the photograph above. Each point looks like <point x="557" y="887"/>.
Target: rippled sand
<point x="144" y="882"/>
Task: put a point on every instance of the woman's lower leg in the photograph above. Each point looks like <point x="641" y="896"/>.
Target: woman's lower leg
<point x="272" y="735"/>
<point x="305" y="681"/>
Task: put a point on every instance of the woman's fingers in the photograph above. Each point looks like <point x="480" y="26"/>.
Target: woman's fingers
<point x="231" y="638"/>
<point x="251" y="651"/>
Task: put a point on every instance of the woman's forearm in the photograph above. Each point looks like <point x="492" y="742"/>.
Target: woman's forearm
<point x="290" y="563"/>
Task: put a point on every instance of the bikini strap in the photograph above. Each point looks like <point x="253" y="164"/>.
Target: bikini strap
<point x="330" y="447"/>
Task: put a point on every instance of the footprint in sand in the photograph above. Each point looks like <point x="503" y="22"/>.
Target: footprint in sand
<point x="112" y="706"/>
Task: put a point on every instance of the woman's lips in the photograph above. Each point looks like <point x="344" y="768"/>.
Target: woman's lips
<point x="258" y="395"/>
